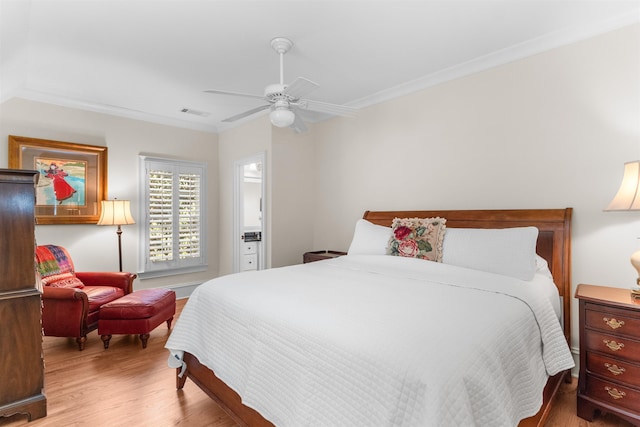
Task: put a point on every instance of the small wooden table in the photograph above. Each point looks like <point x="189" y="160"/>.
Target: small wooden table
<point x="609" y="352"/>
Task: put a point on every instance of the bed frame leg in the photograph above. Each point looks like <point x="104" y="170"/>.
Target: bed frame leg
<point x="180" y="380"/>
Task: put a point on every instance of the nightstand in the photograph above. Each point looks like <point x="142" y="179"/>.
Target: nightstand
<point x="609" y="353"/>
<point x="320" y="255"/>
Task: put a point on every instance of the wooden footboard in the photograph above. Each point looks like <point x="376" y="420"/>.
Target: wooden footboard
<point x="221" y="393"/>
<point x="245" y="416"/>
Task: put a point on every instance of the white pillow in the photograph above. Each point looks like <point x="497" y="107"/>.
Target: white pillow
<point x="542" y="267"/>
<point x="369" y="239"/>
<point x="506" y="251"/>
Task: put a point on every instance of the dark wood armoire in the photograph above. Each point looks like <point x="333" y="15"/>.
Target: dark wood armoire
<point x="21" y="362"/>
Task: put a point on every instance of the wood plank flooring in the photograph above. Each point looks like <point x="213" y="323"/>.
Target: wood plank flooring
<point x="130" y="386"/>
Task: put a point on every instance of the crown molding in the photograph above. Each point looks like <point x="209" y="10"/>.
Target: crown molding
<point x="504" y="56"/>
<point x="39" y="96"/>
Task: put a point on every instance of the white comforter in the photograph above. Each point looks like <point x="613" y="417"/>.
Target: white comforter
<point x="376" y="341"/>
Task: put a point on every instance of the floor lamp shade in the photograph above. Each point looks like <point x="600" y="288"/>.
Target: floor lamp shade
<point x="116" y="212"/>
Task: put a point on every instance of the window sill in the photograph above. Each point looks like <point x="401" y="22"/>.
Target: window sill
<point x="170" y="272"/>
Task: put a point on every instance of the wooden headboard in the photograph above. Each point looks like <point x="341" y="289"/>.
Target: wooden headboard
<point x="554" y="238"/>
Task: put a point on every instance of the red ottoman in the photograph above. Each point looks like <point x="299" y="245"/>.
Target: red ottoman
<point x="139" y="312"/>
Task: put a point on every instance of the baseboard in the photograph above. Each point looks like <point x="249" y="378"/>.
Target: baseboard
<point x="575" y="352"/>
<point x="183" y="290"/>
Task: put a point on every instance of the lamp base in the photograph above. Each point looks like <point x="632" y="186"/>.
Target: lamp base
<point x="635" y="261"/>
<point x="119" y="233"/>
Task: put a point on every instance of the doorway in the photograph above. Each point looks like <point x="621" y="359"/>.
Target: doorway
<point x="249" y="214"/>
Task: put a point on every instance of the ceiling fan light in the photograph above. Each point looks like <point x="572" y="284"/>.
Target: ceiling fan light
<point x="282" y="117"/>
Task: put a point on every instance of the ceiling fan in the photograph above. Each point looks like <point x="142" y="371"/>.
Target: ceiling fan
<point x="286" y="101"/>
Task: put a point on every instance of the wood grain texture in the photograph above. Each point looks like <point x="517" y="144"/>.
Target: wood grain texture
<point x="21" y="370"/>
<point x="128" y="386"/>
<point x="124" y="385"/>
<point x="609" y="353"/>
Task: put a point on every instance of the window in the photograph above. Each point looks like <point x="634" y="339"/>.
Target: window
<point x="173" y="216"/>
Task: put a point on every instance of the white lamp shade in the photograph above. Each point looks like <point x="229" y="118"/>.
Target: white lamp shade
<point x="282" y="117"/>
<point x="628" y="196"/>
<point x="116" y="212"/>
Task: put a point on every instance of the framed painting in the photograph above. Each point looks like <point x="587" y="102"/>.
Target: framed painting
<point x="72" y="178"/>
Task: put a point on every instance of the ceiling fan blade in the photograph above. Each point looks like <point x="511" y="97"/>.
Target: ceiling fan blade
<point x="298" y="124"/>
<point x="325" y="107"/>
<point x="300" y="87"/>
<point x="246" y="95"/>
<point x="246" y="113"/>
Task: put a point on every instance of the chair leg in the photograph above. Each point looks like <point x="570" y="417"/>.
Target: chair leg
<point x="105" y="340"/>
<point x="169" y="322"/>
<point x="144" y="338"/>
<point x="81" y="341"/>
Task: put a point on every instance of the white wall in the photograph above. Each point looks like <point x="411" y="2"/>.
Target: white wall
<point x="293" y="195"/>
<point x="549" y="131"/>
<point x="237" y="144"/>
<point x="95" y="248"/>
<point x="289" y="176"/>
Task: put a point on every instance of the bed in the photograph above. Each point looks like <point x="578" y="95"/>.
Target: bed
<point x="276" y="365"/>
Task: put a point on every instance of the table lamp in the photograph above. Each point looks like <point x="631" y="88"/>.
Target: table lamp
<point x="116" y="212"/>
<point x="628" y="199"/>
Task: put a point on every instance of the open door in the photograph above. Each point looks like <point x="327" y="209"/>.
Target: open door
<point x="249" y="212"/>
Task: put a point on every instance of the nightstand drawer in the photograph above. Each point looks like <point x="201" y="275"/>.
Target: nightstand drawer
<point x="613" y="393"/>
<point x="614" y="369"/>
<point x="612" y="322"/>
<point x="619" y="347"/>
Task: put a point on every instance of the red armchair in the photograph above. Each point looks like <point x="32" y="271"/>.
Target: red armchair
<point x="71" y="300"/>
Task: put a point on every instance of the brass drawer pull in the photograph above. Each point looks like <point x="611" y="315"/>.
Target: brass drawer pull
<point x="614" y="369"/>
<point x="614" y="345"/>
<point x="613" y="392"/>
<point x="613" y="323"/>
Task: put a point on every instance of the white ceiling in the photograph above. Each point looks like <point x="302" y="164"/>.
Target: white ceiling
<point x="149" y="59"/>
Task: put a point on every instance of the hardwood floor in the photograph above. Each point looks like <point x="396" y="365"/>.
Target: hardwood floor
<point x="125" y="385"/>
<point x="130" y="386"/>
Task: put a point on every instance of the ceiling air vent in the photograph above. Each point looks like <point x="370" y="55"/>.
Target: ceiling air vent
<point x="195" y="112"/>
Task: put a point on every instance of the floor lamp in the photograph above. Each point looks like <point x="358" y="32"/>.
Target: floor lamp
<point x="116" y="212"/>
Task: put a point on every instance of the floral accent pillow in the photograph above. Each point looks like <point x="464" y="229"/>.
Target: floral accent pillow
<point x="417" y="238"/>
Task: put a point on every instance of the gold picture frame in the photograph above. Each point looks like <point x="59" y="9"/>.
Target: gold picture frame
<point x="72" y="178"/>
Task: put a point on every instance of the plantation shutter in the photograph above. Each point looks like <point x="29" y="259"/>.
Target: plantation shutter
<point x="174" y="227"/>
<point x="160" y="215"/>
<point x="189" y="211"/>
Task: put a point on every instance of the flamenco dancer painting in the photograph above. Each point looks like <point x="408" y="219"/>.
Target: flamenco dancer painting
<point x="63" y="184"/>
<point x="61" y="187"/>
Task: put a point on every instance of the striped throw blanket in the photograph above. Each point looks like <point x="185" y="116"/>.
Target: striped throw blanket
<point x="56" y="268"/>
<point x="53" y="260"/>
